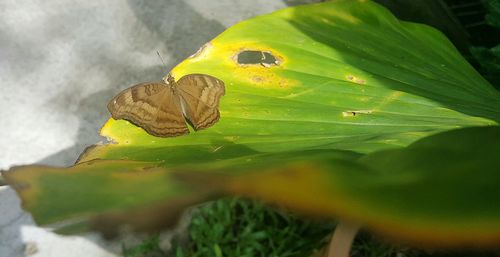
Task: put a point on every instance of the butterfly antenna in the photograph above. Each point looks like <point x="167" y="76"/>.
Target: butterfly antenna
<point x="161" y="59"/>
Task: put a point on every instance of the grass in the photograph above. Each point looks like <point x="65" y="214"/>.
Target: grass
<point x="242" y="228"/>
<point x="234" y="227"/>
<point x="149" y="247"/>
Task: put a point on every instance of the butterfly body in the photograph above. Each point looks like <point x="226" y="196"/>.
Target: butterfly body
<point x="162" y="108"/>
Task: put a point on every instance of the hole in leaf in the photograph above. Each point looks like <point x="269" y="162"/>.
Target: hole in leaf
<point x="203" y="49"/>
<point x="265" y="59"/>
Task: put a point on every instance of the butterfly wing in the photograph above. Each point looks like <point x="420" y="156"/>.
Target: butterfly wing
<point x="200" y="95"/>
<point x="153" y="107"/>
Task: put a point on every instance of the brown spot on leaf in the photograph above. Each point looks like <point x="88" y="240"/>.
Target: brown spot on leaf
<point x="257" y="79"/>
<point x="356" y="80"/>
<point x="355" y="113"/>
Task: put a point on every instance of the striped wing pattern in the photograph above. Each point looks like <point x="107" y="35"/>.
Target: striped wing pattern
<point x="200" y="95"/>
<point x="152" y="106"/>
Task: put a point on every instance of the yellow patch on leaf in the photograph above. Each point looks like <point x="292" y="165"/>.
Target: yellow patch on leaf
<point x="226" y="53"/>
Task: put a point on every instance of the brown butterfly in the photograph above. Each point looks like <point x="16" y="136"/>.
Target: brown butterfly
<point x="162" y="108"/>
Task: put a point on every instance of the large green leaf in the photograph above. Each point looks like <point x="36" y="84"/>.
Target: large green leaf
<point x="75" y="194"/>
<point x="349" y="79"/>
<point x="440" y="191"/>
<point x="407" y="80"/>
<point x="152" y="196"/>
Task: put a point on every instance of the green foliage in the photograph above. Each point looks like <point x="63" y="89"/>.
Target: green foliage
<point x="493" y="16"/>
<point x="489" y="58"/>
<point x="366" y="245"/>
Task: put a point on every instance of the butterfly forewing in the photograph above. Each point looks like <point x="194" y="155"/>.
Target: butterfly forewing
<point x="152" y="106"/>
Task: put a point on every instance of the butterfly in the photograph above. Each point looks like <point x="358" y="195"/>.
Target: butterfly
<point x="163" y="108"/>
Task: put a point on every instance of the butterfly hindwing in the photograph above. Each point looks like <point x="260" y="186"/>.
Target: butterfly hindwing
<point x="204" y="88"/>
<point x="200" y="95"/>
<point x="200" y="115"/>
